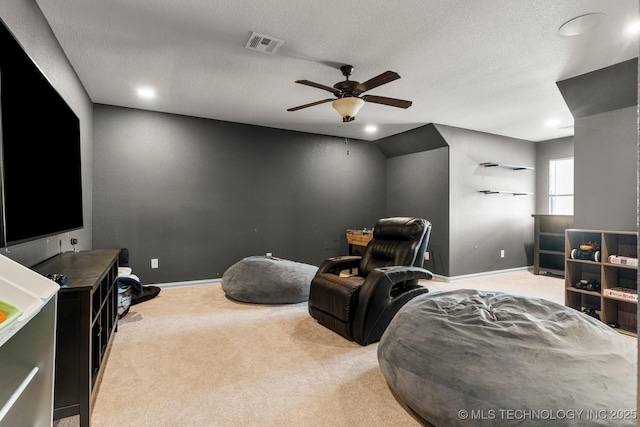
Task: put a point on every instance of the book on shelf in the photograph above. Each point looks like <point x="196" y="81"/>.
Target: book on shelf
<point x="623" y="260"/>
<point x="624" y="293"/>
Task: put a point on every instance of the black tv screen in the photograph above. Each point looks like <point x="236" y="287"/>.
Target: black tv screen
<point x="40" y="139"/>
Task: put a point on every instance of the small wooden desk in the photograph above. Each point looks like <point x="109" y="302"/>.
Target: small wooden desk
<point x="358" y="240"/>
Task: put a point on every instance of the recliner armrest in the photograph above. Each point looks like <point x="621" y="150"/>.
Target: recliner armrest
<point x="336" y="264"/>
<point x="397" y="274"/>
<point x="383" y="293"/>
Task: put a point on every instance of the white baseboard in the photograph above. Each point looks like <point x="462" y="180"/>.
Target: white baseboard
<point x="189" y="283"/>
<point x="209" y="282"/>
<point x="484" y="273"/>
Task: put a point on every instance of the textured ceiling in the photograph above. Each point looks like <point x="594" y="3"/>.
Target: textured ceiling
<point x="485" y="65"/>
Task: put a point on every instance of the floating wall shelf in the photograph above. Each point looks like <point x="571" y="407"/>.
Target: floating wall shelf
<point x="503" y="166"/>
<point x="510" y="167"/>
<point x="515" y="193"/>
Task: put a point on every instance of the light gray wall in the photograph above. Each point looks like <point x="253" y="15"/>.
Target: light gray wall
<point x="604" y="106"/>
<point x="471" y="229"/>
<point x="606" y="171"/>
<point x="200" y="195"/>
<point x="483" y="225"/>
<point x="25" y="20"/>
<point x="418" y="185"/>
<point x="545" y="151"/>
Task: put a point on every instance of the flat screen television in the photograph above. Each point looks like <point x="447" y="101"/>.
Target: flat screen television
<point x="40" y="151"/>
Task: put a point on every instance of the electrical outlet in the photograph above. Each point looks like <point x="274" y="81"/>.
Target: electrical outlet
<point x="269" y="254"/>
<point x="154" y="262"/>
<point x="426" y="256"/>
<point x="501" y="253"/>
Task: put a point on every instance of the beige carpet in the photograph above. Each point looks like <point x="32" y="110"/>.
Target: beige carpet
<point x="192" y="357"/>
<point x="520" y="282"/>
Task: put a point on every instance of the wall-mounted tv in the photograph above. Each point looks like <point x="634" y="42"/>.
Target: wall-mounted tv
<point x="40" y="151"/>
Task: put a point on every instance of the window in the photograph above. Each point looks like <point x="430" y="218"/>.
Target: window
<point x="561" y="186"/>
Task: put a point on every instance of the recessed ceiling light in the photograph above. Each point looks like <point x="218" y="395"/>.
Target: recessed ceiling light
<point x="581" y="24"/>
<point x="370" y="128"/>
<point x="146" y="92"/>
<point x="634" y="28"/>
<point x="552" y="123"/>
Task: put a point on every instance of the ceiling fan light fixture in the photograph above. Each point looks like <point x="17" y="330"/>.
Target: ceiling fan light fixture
<point x="348" y="107"/>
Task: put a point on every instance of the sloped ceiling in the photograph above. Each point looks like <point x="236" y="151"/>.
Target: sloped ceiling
<point x="481" y="65"/>
<point x="607" y="89"/>
<point x="424" y="138"/>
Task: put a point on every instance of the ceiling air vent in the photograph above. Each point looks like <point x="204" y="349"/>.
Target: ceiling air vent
<point x="265" y="44"/>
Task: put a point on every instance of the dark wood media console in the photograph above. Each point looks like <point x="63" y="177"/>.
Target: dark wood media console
<point x="86" y="322"/>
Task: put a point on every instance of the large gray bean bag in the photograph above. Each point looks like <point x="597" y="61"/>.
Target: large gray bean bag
<point x="461" y="358"/>
<point x="268" y="280"/>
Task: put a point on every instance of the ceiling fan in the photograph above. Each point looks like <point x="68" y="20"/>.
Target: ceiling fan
<point x="348" y="94"/>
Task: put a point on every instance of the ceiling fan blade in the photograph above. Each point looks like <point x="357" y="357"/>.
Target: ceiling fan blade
<point x="300" y="107"/>
<point x="394" y="102"/>
<point x="333" y="90"/>
<point x="384" y="78"/>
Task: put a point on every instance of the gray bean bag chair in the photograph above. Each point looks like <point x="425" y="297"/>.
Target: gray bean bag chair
<point x="268" y="280"/>
<point x="461" y="358"/>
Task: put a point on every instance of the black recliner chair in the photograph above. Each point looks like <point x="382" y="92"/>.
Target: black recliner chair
<point x="360" y="307"/>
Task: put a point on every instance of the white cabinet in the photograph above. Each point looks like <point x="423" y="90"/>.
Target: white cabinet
<point x="27" y="347"/>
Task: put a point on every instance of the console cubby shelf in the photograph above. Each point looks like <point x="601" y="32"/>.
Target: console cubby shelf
<point x="611" y="309"/>
<point x="86" y="325"/>
<point x="549" y="246"/>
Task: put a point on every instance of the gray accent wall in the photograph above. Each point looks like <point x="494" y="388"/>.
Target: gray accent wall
<point x="418" y="185"/>
<point x="25" y="20"/>
<point x="199" y="195"/>
<point x="545" y="151"/>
